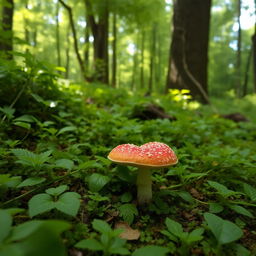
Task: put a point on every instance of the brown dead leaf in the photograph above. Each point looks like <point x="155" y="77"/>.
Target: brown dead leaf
<point x="111" y="215"/>
<point x="196" y="194"/>
<point x="128" y="233"/>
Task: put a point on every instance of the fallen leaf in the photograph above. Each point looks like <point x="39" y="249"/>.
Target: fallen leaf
<point x="196" y="194"/>
<point x="128" y="233"/>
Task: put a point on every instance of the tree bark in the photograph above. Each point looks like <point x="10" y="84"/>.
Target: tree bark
<point x="142" y="59"/>
<point x="152" y="60"/>
<point x="114" y="66"/>
<point x="58" y="35"/>
<point x="67" y="55"/>
<point x="238" y="56"/>
<point x="100" y="44"/>
<point x="245" y="85"/>
<point x="188" y="58"/>
<point x="26" y="26"/>
<point x="254" y="50"/>
<point x="6" y="36"/>
<point x="73" y="29"/>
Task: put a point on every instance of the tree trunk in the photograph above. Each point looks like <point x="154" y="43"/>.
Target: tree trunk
<point x="26" y="26"/>
<point x="238" y="57"/>
<point x="58" y="35"/>
<point x="114" y="52"/>
<point x="6" y="36"/>
<point x="67" y="55"/>
<point x="245" y="86"/>
<point x="142" y="59"/>
<point x="87" y="43"/>
<point x="135" y="67"/>
<point x="73" y="29"/>
<point x="152" y="60"/>
<point x="254" y="50"/>
<point x="189" y="47"/>
<point x="100" y="43"/>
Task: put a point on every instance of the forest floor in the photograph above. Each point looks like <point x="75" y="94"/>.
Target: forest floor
<point x="56" y="180"/>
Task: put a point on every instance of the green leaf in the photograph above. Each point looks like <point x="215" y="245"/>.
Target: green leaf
<point x="25" y="229"/>
<point x="119" y="251"/>
<point x="185" y="196"/>
<point x="195" y="235"/>
<point x="241" y="210"/>
<point x="66" y="129"/>
<point x="174" y="227"/>
<point x="8" y="111"/>
<point x="101" y="226"/>
<point x="5" y="224"/>
<point x="26" y="157"/>
<point x="223" y="190"/>
<point x="224" y="231"/>
<point x="23" y="125"/>
<point x="90" y="244"/>
<point x="40" y="203"/>
<point x="215" y="208"/>
<point x="56" y="191"/>
<point x="240" y="250"/>
<point x="97" y="182"/>
<point x="125" y="174"/>
<point x="26" y="118"/>
<point x="65" y="164"/>
<point x="126" y="197"/>
<point x="68" y="203"/>
<point x="250" y="191"/>
<point x="104" y="160"/>
<point x="128" y="211"/>
<point x="151" y="250"/>
<point x="31" y="182"/>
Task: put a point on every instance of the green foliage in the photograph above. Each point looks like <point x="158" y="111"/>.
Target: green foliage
<point x="97" y="182"/>
<point x="151" y="250"/>
<point x="31" y="182"/>
<point x="224" y="231"/>
<point x="32" y="237"/>
<point x="176" y="234"/>
<point x="61" y="154"/>
<point x="28" y="158"/>
<point x="55" y="198"/>
<point x="128" y="212"/>
<point x="108" y="242"/>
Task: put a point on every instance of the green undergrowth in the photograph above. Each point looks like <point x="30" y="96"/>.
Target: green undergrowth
<point x="59" y="194"/>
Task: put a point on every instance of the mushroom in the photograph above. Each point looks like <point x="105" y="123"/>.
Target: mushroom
<point x="146" y="157"/>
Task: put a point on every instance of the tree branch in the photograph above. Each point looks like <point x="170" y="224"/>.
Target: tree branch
<point x="72" y="24"/>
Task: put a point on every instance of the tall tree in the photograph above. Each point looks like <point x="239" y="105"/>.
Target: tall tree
<point x="238" y="57"/>
<point x="142" y="50"/>
<point x="254" y="48"/>
<point x="98" y="23"/>
<point x="6" y="36"/>
<point x="114" y="59"/>
<point x="73" y="29"/>
<point x="152" y="59"/>
<point x="189" y="48"/>
<point x="58" y="34"/>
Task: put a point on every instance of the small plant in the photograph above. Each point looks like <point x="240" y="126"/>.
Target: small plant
<point x="151" y="250"/>
<point x="224" y="193"/>
<point x="30" y="238"/>
<point x="108" y="242"/>
<point x="31" y="159"/>
<point x="54" y="198"/>
<point x="128" y="212"/>
<point x="183" y="239"/>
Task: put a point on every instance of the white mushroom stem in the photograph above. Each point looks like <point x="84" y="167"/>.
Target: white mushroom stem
<point x="144" y="186"/>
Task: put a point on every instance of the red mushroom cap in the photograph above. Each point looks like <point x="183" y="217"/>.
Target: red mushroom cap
<point x="152" y="154"/>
